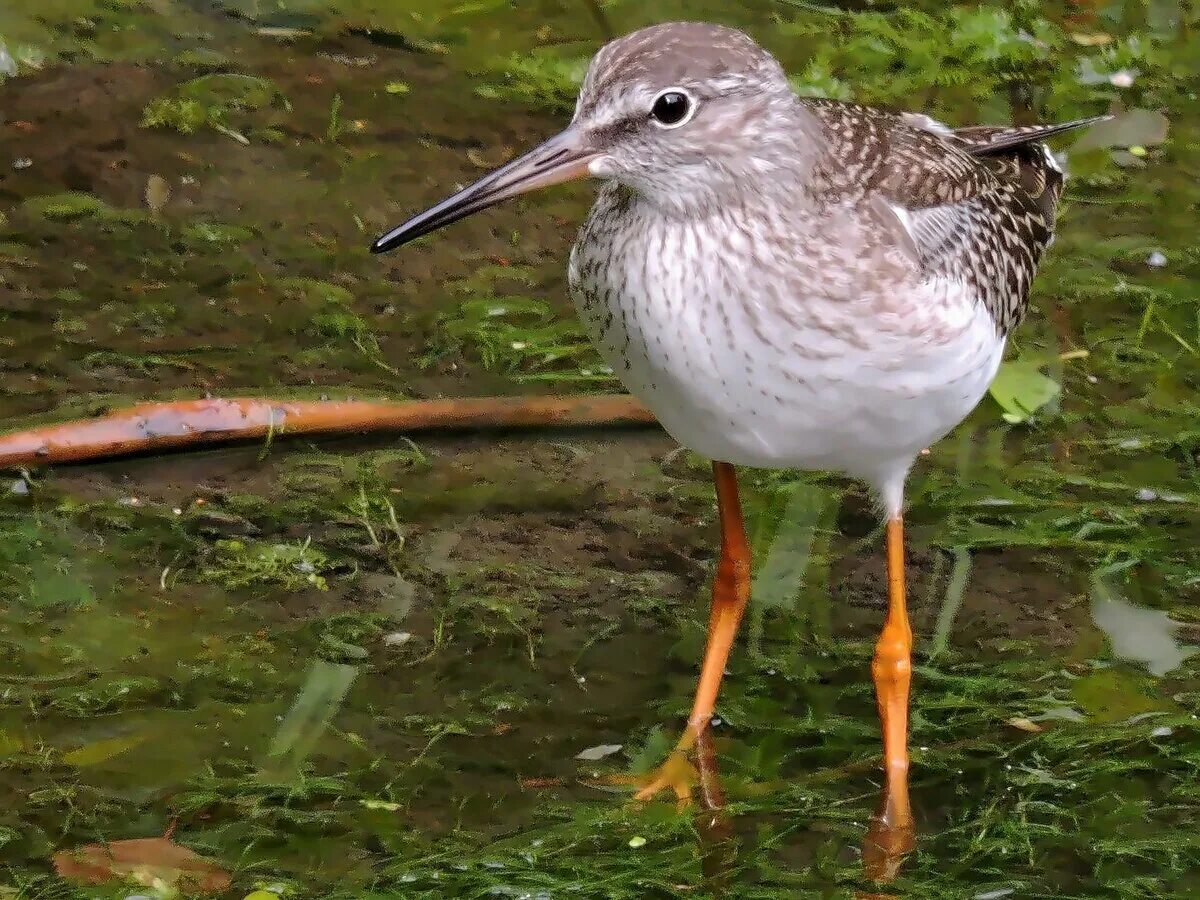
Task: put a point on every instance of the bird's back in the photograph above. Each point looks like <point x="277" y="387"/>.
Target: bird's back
<point x="975" y="205"/>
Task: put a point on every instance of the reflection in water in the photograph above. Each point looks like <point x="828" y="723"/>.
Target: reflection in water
<point x="1145" y="636"/>
<point x="787" y="544"/>
<point x="324" y="691"/>
<point x="960" y="572"/>
<point x="718" y="846"/>
<point x="891" y="833"/>
<point x="785" y="539"/>
<point x="956" y="589"/>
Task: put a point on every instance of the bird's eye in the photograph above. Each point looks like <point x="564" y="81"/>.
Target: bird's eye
<point x="671" y="108"/>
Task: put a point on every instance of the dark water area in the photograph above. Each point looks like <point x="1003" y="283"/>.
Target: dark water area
<point x="367" y="667"/>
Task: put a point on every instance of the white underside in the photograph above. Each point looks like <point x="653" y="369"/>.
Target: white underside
<point x="844" y="385"/>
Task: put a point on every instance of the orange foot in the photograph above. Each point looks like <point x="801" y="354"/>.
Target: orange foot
<point x="676" y="774"/>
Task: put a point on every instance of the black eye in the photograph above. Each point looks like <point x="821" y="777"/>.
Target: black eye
<point x="671" y="107"/>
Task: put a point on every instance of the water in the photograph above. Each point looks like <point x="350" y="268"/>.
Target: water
<point x="365" y="668"/>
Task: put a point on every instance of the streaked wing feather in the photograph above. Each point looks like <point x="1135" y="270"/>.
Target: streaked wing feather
<point x="936" y="228"/>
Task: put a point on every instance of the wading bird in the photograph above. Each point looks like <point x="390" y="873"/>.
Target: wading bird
<point x="787" y="282"/>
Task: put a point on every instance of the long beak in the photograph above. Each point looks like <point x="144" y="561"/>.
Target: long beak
<point x="565" y="157"/>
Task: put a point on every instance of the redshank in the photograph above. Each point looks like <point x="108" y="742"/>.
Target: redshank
<point x="787" y="282"/>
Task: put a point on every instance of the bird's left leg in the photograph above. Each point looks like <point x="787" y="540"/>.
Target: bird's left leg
<point x="892" y="832"/>
<point x="730" y="593"/>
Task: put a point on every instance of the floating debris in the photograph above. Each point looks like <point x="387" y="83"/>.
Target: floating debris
<point x="157" y="193"/>
<point x="155" y="862"/>
<point x="8" y="65"/>
<point x="591" y="754"/>
<point x="1023" y="724"/>
<point x="1131" y="128"/>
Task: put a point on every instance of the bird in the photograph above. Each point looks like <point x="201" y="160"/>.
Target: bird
<point x="787" y="282"/>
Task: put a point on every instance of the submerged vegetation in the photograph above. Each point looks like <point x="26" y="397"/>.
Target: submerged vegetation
<point x="212" y="101"/>
<point x="389" y="669"/>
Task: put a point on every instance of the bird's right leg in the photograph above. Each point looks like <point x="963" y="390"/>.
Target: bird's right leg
<point x="892" y="832"/>
<point x="731" y="591"/>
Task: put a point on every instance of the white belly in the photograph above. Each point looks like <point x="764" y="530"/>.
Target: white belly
<point x="739" y="373"/>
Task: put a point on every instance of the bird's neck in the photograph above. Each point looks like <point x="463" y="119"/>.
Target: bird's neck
<point x="772" y="189"/>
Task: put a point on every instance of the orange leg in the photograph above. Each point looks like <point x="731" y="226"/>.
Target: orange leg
<point x="731" y="591"/>
<point x="892" y="832"/>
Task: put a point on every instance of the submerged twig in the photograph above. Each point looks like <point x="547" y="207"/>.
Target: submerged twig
<point x="157" y="427"/>
<point x="601" y="17"/>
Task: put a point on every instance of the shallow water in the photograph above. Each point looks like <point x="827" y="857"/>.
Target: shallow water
<point x="365" y="667"/>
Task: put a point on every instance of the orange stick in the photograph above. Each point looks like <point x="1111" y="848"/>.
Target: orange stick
<point x="153" y="427"/>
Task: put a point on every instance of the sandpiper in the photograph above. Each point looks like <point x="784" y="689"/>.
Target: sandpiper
<point x="787" y="282"/>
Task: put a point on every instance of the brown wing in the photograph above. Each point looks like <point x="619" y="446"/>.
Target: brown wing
<point x="977" y="205"/>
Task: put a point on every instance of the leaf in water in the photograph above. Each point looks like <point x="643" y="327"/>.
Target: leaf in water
<point x="154" y="862"/>
<point x="787" y="542"/>
<point x="658" y="744"/>
<point x="395" y="593"/>
<point x="1164" y="17"/>
<point x="591" y="754"/>
<point x="102" y="751"/>
<point x="1110" y="695"/>
<point x="1021" y="389"/>
<point x="1132" y="128"/>
<point x="1146" y="636"/>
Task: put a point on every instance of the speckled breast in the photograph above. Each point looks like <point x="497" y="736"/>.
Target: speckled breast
<point x="757" y="340"/>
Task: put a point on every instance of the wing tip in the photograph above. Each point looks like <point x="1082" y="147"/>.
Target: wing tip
<point x="1019" y="138"/>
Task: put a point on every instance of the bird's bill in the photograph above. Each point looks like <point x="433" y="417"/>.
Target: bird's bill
<point x="565" y="157"/>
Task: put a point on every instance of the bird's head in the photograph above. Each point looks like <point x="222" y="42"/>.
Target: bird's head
<point x="681" y="113"/>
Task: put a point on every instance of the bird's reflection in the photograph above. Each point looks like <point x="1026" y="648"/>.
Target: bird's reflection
<point x="890" y="836"/>
<point x="891" y="833"/>
<point x="718" y="846"/>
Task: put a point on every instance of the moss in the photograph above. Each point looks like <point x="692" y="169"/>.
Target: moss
<point x="237" y="564"/>
<point x="220" y="101"/>
<point x="68" y="206"/>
